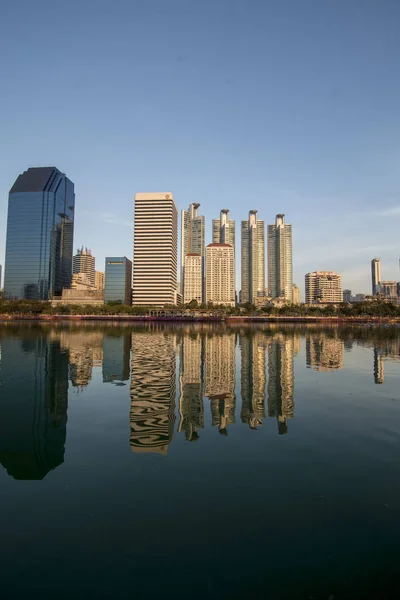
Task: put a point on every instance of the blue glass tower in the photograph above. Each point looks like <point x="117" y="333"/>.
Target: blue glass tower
<point x="40" y="231"/>
<point x="118" y="280"/>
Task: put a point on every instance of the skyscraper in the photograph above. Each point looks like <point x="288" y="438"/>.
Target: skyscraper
<point x="323" y="286"/>
<point x="84" y="262"/>
<point x="40" y="229"/>
<point x="192" y="237"/>
<point x="253" y="258"/>
<point x="375" y="274"/>
<point x="118" y="280"/>
<point x="220" y="274"/>
<point x="193" y="278"/>
<point x="223" y="229"/>
<point x="280" y="261"/>
<point x="155" y="249"/>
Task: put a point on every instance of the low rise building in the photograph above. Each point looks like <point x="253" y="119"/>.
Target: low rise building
<point x="388" y="289"/>
<point x="323" y="287"/>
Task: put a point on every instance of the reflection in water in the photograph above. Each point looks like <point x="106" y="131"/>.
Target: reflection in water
<point x="324" y="352"/>
<point x="116" y="356"/>
<point x="253" y="378"/>
<point x="220" y="378"/>
<point x="191" y="406"/>
<point x="152" y="391"/>
<point x="281" y="380"/>
<point x="379" y="368"/>
<point x="33" y="405"/>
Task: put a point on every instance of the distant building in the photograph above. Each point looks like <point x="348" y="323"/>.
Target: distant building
<point x="280" y="261"/>
<point x="220" y="274"/>
<point x="347" y="296"/>
<point x="253" y="258"/>
<point x="359" y="297"/>
<point x="81" y="281"/>
<point x="398" y="289"/>
<point x="118" y="280"/>
<point x="155" y="249"/>
<point x="388" y="289"/>
<point x="99" y="280"/>
<point x="375" y="274"/>
<point x="193" y="278"/>
<point x="40" y="230"/>
<point x="192" y="239"/>
<point x="84" y="262"/>
<point x="296" y="294"/>
<point x="323" y="287"/>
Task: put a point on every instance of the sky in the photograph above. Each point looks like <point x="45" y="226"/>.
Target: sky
<point x="284" y="106"/>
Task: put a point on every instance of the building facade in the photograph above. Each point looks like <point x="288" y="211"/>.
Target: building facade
<point x="118" y="280"/>
<point x="375" y="274"/>
<point x="280" y="260"/>
<point x="192" y="238"/>
<point x="193" y="278"/>
<point x="296" y="294"/>
<point x="323" y="286"/>
<point x="388" y="289"/>
<point x="253" y="258"/>
<point x="40" y="231"/>
<point x="155" y="259"/>
<point x="99" y="278"/>
<point x="220" y="274"/>
<point x="84" y="262"/>
<point x="347" y="297"/>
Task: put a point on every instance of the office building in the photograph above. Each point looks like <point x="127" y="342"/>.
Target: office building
<point x="253" y="258"/>
<point x="347" y="297"/>
<point x="99" y="280"/>
<point x="323" y="287"/>
<point x="118" y="280"/>
<point x="84" y="262"/>
<point x="193" y="278"/>
<point x="40" y="229"/>
<point x="375" y="274"/>
<point x="295" y="294"/>
<point x="155" y="249"/>
<point x="280" y="261"/>
<point x="387" y="289"/>
<point x="220" y="274"/>
<point x="192" y="237"/>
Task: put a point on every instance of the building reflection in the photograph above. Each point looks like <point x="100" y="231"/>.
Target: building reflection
<point x="191" y="406"/>
<point x="281" y="380"/>
<point x="324" y="352"/>
<point x="379" y="367"/>
<point x="153" y="388"/>
<point x="33" y="405"/>
<point x="116" y="357"/>
<point x="219" y="359"/>
<point x="253" y="378"/>
<point x="85" y="352"/>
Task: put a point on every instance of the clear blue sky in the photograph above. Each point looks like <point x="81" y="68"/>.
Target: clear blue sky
<point x="280" y="105"/>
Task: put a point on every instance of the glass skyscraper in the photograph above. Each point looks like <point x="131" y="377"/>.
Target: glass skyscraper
<point x="40" y="231"/>
<point x="118" y="280"/>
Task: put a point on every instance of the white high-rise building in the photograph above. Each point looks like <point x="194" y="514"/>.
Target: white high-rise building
<point x="193" y="278"/>
<point x="220" y="274"/>
<point x="280" y="260"/>
<point x="155" y="247"/>
<point x="253" y="258"/>
<point x="223" y="229"/>
<point x="192" y="236"/>
<point x="84" y="262"/>
<point x="323" y="286"/>
<point x="375" y="274"/>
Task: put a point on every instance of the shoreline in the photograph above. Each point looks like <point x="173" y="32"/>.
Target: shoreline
<point x="199" y="319"/>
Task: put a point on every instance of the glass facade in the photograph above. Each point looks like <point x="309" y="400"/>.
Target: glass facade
<point x="40" y="231"/>
<point x="118" y="280"/>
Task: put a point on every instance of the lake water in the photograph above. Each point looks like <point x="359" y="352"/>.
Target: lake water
<point x="199" y="461"/>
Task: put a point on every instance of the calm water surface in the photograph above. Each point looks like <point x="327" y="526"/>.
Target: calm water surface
<point x="199" y="462"/>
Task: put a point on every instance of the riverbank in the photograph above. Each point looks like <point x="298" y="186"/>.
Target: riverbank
<point x="202" y="319"/>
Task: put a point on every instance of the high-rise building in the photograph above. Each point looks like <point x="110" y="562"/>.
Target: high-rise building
<point x="253" y="258"/>
<point x="118" y="280"/>
<point x="388" y="289"/>
<point x="296" y="294"/>
<point x="193" y="278"/>
<point x="99" y="280"/>
<point x="323" y="286"/>
<point x="375" y="274"/>
<point x="40" y="229"/>
<point x="280" y="260"/>
<point x="155" y="249"/>
<point x="347" y="297"/>
<point x="84" y="262"/>
<point x="220" y="274"/>
<point x="223" y="229"/>
<point x="192" y="237"/>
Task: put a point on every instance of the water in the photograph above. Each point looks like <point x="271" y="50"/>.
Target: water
<point x="199" y="462"/>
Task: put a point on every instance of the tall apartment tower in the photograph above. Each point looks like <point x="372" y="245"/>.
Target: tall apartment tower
<point x="84" y="262"/>
<point x="193" y="278"/>
<point x="253" y="258"/>
<point x="323" y="286"/>
<point x="375" y="274"/>
<point x="40" y="230"/>
<point x="220" y="274"/>
<point x="223" y="229"/>
<point x="192" y="237"/>
<point x="280" y="260"/>
<point x="155" y="249"/>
